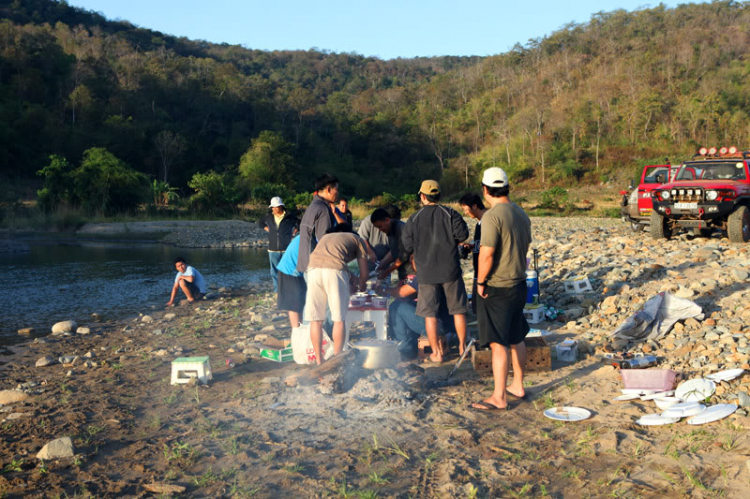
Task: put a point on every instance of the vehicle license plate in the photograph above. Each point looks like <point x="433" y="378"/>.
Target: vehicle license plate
<point x="686" y="206"/>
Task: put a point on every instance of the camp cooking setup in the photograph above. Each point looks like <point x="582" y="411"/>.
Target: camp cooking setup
<point x="643" y="381"/>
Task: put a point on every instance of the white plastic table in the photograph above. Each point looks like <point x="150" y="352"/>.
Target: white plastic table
<point x="369" y="314"/>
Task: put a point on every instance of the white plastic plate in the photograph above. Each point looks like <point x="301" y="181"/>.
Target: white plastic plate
<point x="638" y="391"/>
<point x="684" y="410"/>
<point x="657" y="395"/>
<point x="713" y="413"/>
<point x="656" y="420"/>
<point x="567" y="414"/>
<point x="627" y="396"/>
<point x="727" y="375"/>
<point x="665" y="403"/>
<point x="695" y="390"/>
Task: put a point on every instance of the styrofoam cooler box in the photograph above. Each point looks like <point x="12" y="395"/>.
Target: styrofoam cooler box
<point x="534" y="313"/>
<point x="379" y="301"/>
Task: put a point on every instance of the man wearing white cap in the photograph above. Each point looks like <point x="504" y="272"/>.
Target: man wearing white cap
<point x="281" y="227"/>
<point x="501" y="288"/>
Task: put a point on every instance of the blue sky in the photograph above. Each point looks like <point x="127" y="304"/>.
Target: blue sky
<point x="382" y="28"/>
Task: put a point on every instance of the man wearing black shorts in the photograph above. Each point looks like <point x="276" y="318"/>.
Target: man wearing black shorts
<point x="501" y="286"/>
<point x="432" y="235"/>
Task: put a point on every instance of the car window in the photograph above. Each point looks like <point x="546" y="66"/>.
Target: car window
<point x="652" y="173"/>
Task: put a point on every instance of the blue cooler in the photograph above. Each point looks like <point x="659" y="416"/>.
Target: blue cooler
<point x="532" y="285"/>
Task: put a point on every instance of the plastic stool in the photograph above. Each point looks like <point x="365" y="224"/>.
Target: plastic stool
<point x="186" y="368"/>
<point x="578" y="285"/>
<point x="534" y="313"/>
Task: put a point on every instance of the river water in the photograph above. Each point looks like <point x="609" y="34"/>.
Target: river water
<point x="56" y="282"/>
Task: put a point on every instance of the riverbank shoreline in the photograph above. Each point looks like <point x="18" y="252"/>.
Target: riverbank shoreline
<point x="398" y="432"/>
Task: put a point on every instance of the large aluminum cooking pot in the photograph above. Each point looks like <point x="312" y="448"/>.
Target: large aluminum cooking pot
<point x="378" y="354"/>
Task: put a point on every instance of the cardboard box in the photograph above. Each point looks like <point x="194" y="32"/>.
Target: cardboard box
<point x="538" y="357"/>
<point x="277" y="350"/>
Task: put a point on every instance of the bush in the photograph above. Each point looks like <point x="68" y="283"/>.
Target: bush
<point x="214" y="192"/>
<point x="264" y="192"/>
<point x="101" y="183"/>
<point x="104" y="182"/>
<point x="555" y="198"/>
<point x="302" y="199"/>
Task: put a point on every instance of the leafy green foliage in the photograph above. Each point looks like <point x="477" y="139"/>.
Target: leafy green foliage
<point x="268" y="160"/>
<point x="214" y="192"/>
<point x="102" y="182"/>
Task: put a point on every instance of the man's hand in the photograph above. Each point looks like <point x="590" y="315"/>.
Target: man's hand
<point x="482" y="290"/>
<point x="266" y="229"/>
<point x="363" y="285"/>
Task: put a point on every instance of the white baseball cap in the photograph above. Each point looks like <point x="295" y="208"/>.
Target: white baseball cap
<point x="495" y="177"/>
<point x="276" y="202"/>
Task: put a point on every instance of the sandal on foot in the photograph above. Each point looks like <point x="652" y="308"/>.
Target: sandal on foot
<point x="487" y="407"/>
<point x="525" y="395"/>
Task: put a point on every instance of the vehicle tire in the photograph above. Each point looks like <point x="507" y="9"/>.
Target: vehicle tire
<point x="636" y="227"/>
<point x="738" y="225"/>
<point x="659" y="227"/>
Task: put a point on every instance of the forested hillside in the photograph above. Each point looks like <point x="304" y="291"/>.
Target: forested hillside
<point x="583" y="103"/>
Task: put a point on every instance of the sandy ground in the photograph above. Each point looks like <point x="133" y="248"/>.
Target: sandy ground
<point x="394" y="433"/>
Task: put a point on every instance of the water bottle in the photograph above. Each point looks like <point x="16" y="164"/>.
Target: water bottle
<point x="639" y="362"/>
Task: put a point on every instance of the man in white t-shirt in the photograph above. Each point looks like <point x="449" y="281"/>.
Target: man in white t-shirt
<point x="189" y="280"/>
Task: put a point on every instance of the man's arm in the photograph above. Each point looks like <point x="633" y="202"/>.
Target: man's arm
<point x="322" y="224"/>
<point x="486" y="255"/>
<point x="364" y="273"/>
<point x="407" y="241"/>
<point x="460" y="229"/>
<point x="402" y="292"/>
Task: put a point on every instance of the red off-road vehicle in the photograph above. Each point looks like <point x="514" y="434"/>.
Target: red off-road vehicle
<point x="636" y="205"/>
<point x="711" y="191"/>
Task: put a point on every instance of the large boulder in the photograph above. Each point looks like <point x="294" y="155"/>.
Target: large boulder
<point x="57" y="449"/>
<point x="12" y="396"/>
<point x="64" y="327"/>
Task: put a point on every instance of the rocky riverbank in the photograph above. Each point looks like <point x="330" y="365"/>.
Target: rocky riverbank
<point x="402" y="432"/>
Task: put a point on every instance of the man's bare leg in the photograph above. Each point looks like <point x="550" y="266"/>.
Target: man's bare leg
<point x="316" y="337"/>
<point x="185" y="289"/>
<point x="339" y="336"/>
<point x="460" y="322"/>
<point x="500" y="374"/>
<point x="431" y="327"/>
<point x="294" y="319"/>
<point x="518" y="358"/>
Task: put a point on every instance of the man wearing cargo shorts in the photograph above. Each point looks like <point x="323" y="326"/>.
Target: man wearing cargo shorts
<point x="501" y="286"/>
<point x="328" y="280"/>
<point x="432" y="235"/>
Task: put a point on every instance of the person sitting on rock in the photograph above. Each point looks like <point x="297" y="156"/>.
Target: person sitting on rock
<point x="189" y="280"/>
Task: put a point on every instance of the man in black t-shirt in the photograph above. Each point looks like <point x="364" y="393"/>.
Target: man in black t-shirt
<point x="474" y="208"/>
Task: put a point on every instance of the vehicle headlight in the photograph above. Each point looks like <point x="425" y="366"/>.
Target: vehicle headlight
<point x="665" y="195"/>
<point x="712" y="195"/>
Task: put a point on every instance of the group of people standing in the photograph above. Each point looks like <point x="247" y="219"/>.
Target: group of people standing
<point x="309" y="262"/>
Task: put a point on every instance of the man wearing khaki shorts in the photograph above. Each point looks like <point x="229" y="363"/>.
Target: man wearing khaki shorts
<point x="432" y="235"/>
<point x="328" y="280"/>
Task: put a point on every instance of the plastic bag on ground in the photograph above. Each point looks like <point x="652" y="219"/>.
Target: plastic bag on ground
<point x="656" y="317"/>
<point x="302" y="347"/>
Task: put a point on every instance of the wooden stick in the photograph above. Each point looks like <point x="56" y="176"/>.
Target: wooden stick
<point x="311" y="374"/>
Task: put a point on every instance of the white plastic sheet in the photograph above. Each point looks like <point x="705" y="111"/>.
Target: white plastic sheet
<point x="656" y="317"/>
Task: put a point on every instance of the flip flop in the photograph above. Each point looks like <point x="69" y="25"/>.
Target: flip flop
<point x="525" y="396"/>
<point x="428" y="360"/>
<point x="487" y="407"/>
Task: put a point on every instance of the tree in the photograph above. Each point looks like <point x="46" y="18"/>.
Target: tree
<point x="104" y="182"/>
<point x="268" y="160"/>
<point x="169" y="146"/>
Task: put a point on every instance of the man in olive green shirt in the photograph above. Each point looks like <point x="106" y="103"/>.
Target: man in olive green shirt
<point x="501" y="286"/>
